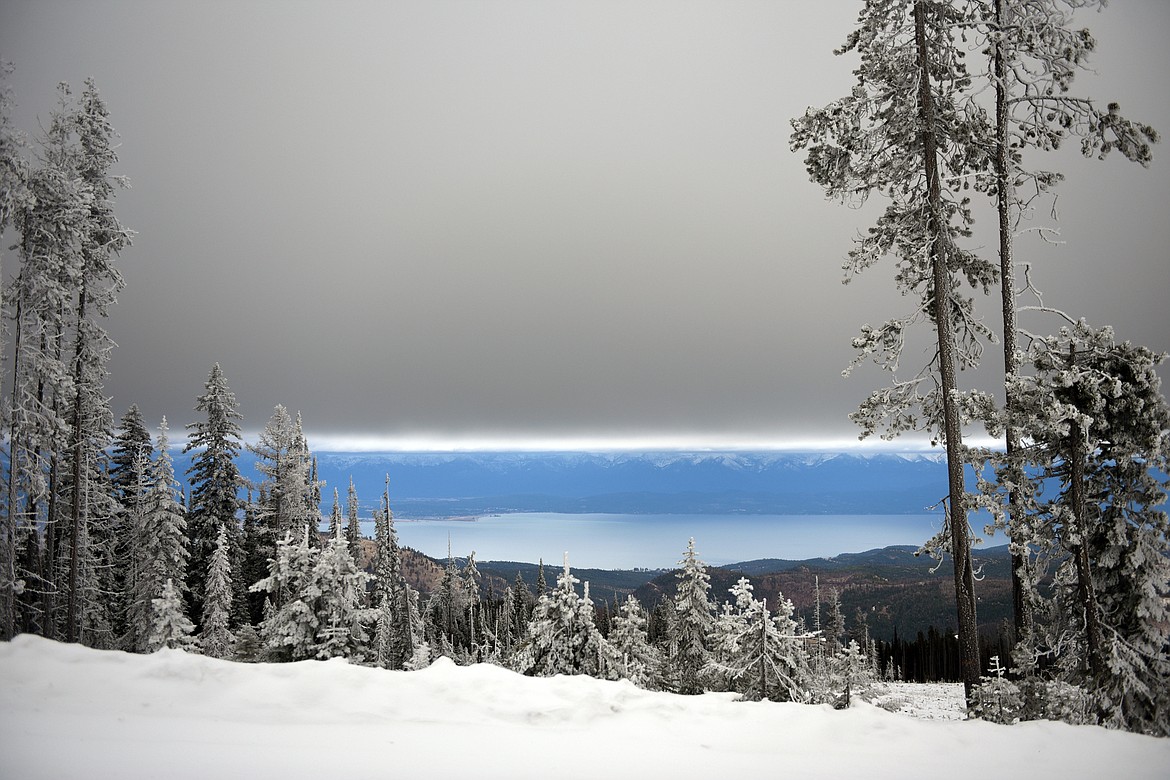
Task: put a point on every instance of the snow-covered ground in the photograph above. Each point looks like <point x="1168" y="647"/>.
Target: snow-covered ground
<point x="932" y="701"/>
<point x="70" y="712"/>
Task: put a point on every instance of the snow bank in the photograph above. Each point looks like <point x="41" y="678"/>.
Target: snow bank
<point x="67" y="711"/>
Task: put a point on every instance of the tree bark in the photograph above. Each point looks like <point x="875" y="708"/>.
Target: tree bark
<point x="1005" y="196"/>
<point x="75" y="518"/>
<point x="952" y="429"/>
<point x="11" y="516"/>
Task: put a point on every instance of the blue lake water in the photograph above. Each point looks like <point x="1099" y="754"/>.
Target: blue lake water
<point x="612" y="541"/>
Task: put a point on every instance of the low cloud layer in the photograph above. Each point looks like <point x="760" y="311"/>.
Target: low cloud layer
<point x="449" y="222"/>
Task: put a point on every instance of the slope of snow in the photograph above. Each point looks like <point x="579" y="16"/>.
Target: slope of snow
<point x="67" y="711"/>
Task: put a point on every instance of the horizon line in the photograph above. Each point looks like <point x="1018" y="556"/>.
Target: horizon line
<point x="422" y="443"/>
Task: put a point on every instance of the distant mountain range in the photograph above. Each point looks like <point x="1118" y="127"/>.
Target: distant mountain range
<point x="453" y="484"/>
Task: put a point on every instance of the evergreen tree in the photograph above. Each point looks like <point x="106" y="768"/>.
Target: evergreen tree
<point x="541" y="582"/>
<point x="101" y="238"/>
<point x="48" y="220"/>
<point x="353" y="528"/>
<point x="248" y="648"/>
<point x="817" y="606"/>
<point x="335" y="527"/>
<point x="171" y="627"/>
<point x="290" y="626"/>
<point x="695" y="620"/>
<point x="215" y="638"/>
<point x="519" y="604"/>
<point x="916" y="153"/>
<point x="1096" y="408"/>
<point x="834" y="624"/>
<point x="279" y="509"/>
<point x="132" y="451"/>
<point x="562" y="638"/>
<point x="397" y="636"/>
<point x="159" y="548"/>
<point x="998" y="699"/>
<point x="730" y="625"/>
<point x="129" y="478"/>
<point x="256" y="549"/>
<point x="445" y="614"/>
<point x="215" y="482"/>
<point x="639" y="661"/>
<point x="853" y="673"/>
<point x="13" y="191"/>
<point x="59" y="528"/>
<point x="470" y="586"/>
<point x="763" y="657"/>
<point x="504" y="627"/>
<point x="1035" y="53"/>
<point x="335" y="592"/>
<point x="307" y="504"/>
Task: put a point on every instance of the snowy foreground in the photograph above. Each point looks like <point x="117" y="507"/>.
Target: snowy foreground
<point x="71" y="712"/>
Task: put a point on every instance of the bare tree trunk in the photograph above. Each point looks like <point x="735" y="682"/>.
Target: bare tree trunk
<point x="12" y="517"/>
<point x="952" y="428"/>
<point x="1005" y="196"/>
<point x="52" y="525"/>
<point x="75" y="518"/>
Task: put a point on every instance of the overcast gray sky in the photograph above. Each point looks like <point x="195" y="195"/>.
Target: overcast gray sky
<point x="460" y="222"/>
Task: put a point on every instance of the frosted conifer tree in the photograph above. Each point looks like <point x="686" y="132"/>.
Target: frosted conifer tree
<point x="59" y="530"/>
<point x="762" y="657"/>
<point x="132" y="451"/>
<point x="817" y="604"/>
<point x="290" y="626"/>
<point x="13" y="190"/>
<point x="396" y="634"/>
<point x="918" y="154"/>
<point x="129" y="478"/>
<point x="517" y="611"/>
<point x="730" y="624"/>
<point x="102" y="237"/>
<point x="335" y="527"/>
<point x="280" y="509"/>
<point x="171" y="628"/>
<point x="598" y="658"/>
<point x="834" y="623"/>
<point x="1095" y="406"/>
<point x="445" y="613"/>
<point x="215" y="481"/>
<point x="997" y="699"/>
<point x="353" y="528"/>
<point x="562" y="638"/>
<point x="470" y="587"/>
<point x="541" y="582"/>
<point x="308" y="510"/>
<point x="48" y="218"/>
<point x="638" y="660"/>
<point x="695" y="620"/>
<point x="336" y="592"/>
<point x="1035" y="53"/>
<point x="159" y="547"/>
<point x="215" y="639"/>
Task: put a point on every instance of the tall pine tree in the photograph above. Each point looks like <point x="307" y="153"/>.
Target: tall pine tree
<point x="695" y="618"/>
<point x="215" y="484"/>
<point x="917" y="154"/>
<point x="158" y="549"/>
<point x="215" y="638"/>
